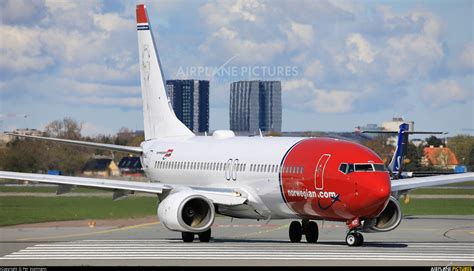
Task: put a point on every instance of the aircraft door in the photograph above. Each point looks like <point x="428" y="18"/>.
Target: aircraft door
<point x="319" y="171"/>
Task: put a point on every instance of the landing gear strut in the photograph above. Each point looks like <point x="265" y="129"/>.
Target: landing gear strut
<point x="204" y="237"/>
<point x="308" y="228"/>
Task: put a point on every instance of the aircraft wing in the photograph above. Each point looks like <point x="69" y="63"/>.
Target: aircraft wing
<point x="220" y="196"/>
<point x="417" y="182"/>
<point x="110" y="147"/>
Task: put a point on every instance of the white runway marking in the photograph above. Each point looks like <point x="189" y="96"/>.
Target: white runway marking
<point x="176" y="250"/>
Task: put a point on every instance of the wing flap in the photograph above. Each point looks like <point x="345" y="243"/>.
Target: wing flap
<point x="411" y="183"/>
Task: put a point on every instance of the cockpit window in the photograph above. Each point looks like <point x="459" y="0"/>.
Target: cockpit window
<point x="380" y="167"/>
<point x="343" y="168"/>
<point x="347" y="168"/>
<point x="363" y="167"/>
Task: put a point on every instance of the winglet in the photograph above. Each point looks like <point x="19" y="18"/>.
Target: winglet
<point x="142" y="18"/>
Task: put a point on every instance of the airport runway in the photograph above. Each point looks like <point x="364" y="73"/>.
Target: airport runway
<point x="429" y="241"/>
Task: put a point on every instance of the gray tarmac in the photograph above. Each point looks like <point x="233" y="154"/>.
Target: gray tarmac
<point x="427" y="240"/>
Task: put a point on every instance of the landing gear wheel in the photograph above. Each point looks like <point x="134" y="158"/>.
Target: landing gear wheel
<point x="296" y="232"/>
<point x="354" y="239"/>
<point x="205" y="237"/>
<point x="311" y="232"/>
<point x="187" y="237"/>
<point x="360" y="239"/>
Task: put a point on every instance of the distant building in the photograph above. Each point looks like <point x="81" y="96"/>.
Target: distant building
<point x="394" y="124"/>
<point x="131" y="166"/>
<point x="4" y="138"/>
<point x="369" y="127"/>
<point x="102" y="167"/>
<point x="255" y="105"/>
<point x="439" y="157"/>
<point x="190" y="101"/>
<point x="31" y="132"/>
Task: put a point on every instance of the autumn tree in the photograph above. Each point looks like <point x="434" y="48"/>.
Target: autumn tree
<point x="462" y="146"/>
<point x="380" y="146"/>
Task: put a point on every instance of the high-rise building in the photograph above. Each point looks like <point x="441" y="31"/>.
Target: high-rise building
<point x="190" y="101"/>
<point x="255" y="105"/>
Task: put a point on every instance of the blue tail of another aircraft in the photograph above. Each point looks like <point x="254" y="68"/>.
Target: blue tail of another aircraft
<point x="396" y="164"/>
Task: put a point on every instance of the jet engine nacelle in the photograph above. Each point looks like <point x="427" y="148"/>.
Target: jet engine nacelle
<point x="388" y="220"/>
<point x="186" y="211"/>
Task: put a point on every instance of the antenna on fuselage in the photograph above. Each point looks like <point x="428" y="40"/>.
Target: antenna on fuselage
<point x="260" y="131"/>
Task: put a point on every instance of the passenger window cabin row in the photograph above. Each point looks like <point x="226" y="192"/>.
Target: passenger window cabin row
<point x="219" y="166"/>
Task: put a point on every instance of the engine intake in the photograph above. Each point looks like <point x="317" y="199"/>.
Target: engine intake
<point x="388" y="220"/>
<point x="187" y="212"/>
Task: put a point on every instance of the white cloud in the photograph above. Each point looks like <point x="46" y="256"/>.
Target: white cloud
<point x="360" y="52"/>
<point x="335" y="101"/>
<point x="299" y="35"/>
<point x="226" y="42"/>
<point x="22" y="12"/>
<point x="314" y="69"/>
<point x="21" y="50"/>
<point x="303" y="95"/>
<point x="443" y="93"/>
<point x="466" y="59"/>
<point x="412" y="56"/>
<point x="363" y="50"/>
<point x="112" y="22"/>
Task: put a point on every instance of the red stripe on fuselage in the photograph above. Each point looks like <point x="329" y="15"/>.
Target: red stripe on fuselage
<point x="141" y="14"/>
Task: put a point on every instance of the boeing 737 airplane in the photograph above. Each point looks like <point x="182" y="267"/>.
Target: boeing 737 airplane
<point x="197" y="177"/>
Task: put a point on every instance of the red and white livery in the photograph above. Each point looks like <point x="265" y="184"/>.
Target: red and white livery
<point x="197" y="177"/>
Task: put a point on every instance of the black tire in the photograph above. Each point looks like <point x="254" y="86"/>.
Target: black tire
<point x="312" y="232"/>
<point x="360" y="239"/>
<point x="187" y="237"/>
<point x="205" y="237"/>
<point x="296" y="232"/>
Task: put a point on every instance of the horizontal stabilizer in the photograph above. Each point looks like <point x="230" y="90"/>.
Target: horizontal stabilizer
<point x="405" y="132"/>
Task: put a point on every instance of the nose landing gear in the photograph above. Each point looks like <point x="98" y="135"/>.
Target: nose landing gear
<point x="354" y="238"/>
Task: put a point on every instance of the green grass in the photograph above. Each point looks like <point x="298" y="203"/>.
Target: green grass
<point x="442" y="191"/>
<point x="20" y="210"/>
<point x="470" y="183"/>
<point x="33" y="189"/>
<point x="438" y="207"/>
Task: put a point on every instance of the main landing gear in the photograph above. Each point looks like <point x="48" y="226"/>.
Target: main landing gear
<point x="204" y="237"/>
<point x="308" y="228"/>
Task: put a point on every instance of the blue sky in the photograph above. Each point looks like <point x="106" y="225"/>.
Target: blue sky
<point x="342" y="63"/>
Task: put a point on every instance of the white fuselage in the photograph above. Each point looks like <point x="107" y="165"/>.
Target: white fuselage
<point x="251" y="164"/>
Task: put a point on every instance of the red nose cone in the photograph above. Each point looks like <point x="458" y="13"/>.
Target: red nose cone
<point x="382" y="190"/>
